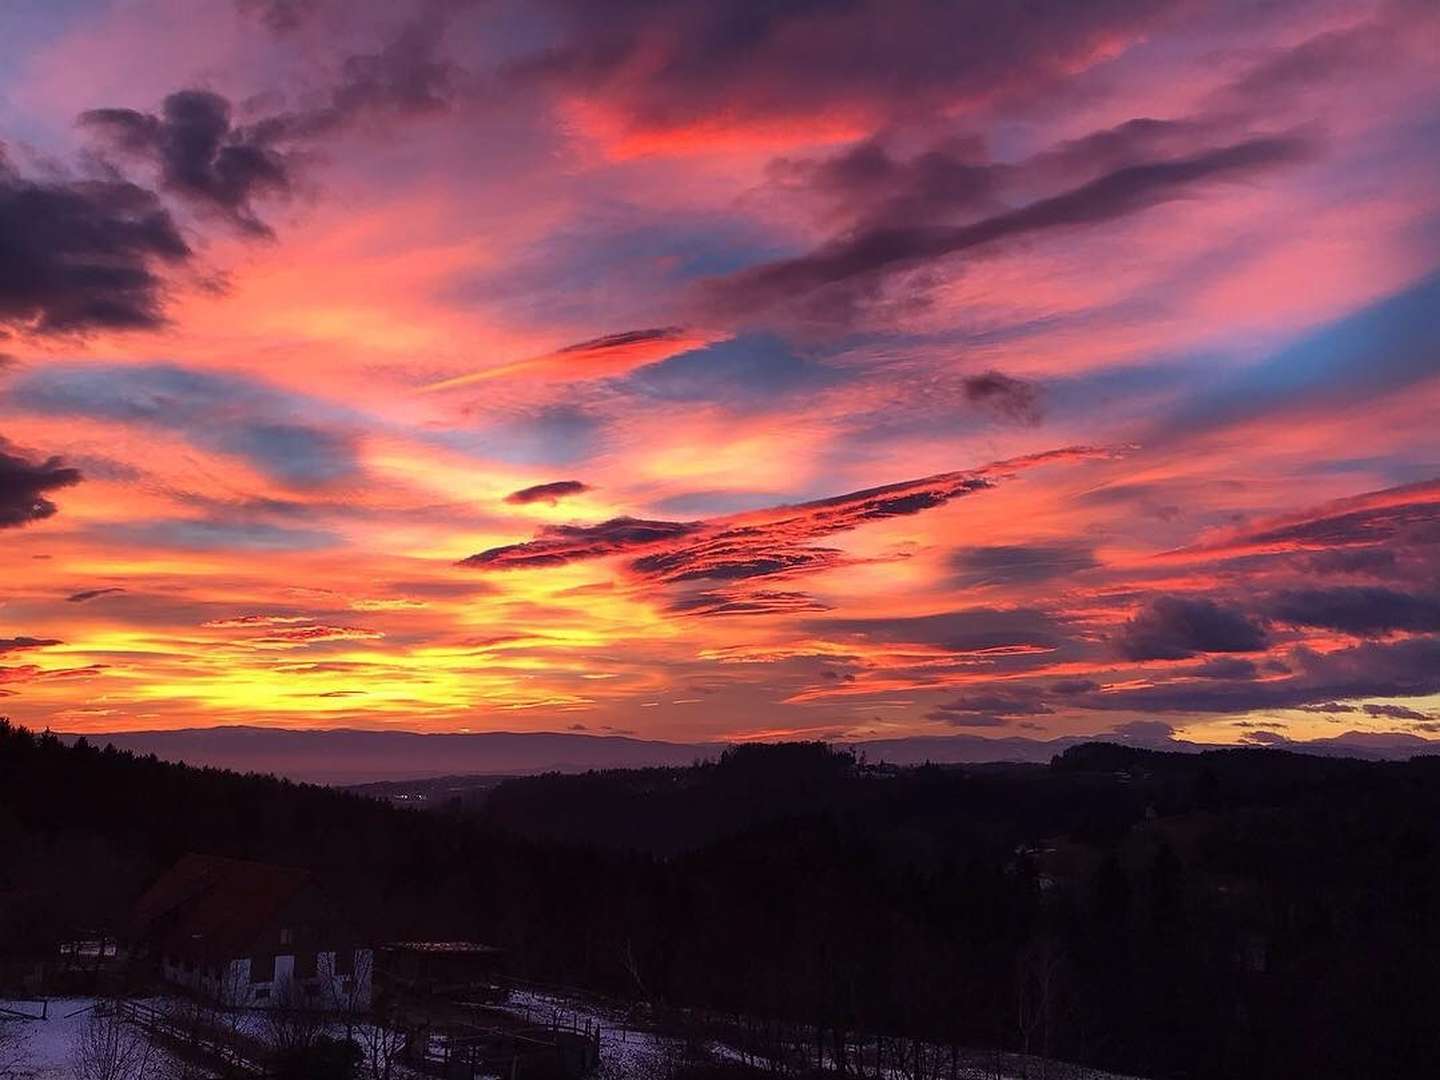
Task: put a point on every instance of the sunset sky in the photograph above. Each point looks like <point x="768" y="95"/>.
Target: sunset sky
<point x="708" y="370"/>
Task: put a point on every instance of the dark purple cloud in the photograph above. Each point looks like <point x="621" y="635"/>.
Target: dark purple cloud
<point x="1319" y="60"/>
<point x="18" y="644"/>
<point x="82" y="255"/>
<point x="1390" y="532"/>
<point x="1393" y="516"/>
<point x="892" y="214"/>
<point x="1370" y="562"/>
<point x="867" y="185"/>
<point x="713" y="602"/>
<point x="550" y="493"/>
<point x="218" y="165"/>
<point x="736" y="555"/>
<point x="25" y="486"/>
<point x="1408" y="667"/>
<point x="746" y="545"/>
<point x="557" y="545"/>
<point x="1005" y="396"/>
<point x="989" y="708"/>
<point x="201" y="155"/>
<point x="1396" y="712"/>
<point x="1225" y="667"/>
<point x="1020" y="564"/>
<point x="1262" y="737"/>
<point x="1359" y="610"/>
<point x="281" y="16"/>
<point x="1123" y="192"/>
<point x="665" y="64"/>
<point x="1131" y="142"/>
<point x="1067" y="687"/>
<point x="93" y="594"/>
<point x="407" y="76"/>
<point x="1176" y="627"/>
<point x="870" y="186"/>
<point x="33" y="673"/>
<point x="625" y="339"/>
<point x="775" y="543"/>
<point x="969" y="630"/>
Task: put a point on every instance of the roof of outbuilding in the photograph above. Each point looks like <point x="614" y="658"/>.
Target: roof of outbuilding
<point x="453" y="948"/>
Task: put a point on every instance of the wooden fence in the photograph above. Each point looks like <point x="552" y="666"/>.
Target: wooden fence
<point x="191" y="1034"/>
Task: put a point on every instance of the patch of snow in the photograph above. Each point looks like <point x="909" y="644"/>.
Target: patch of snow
<point x="625" y="1051"/>
<point x="43" y="1048"/>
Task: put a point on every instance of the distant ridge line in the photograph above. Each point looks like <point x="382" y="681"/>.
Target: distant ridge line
<point x="346" y="756"/>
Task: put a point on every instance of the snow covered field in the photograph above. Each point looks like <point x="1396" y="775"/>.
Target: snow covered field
<point x="41" y="1049"/>
<point x="629" y="1051"/>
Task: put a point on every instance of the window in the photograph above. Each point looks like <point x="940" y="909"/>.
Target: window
<point x="262" y="993"/>
<point x="287" y="936"/>
<point x="344" y="961"/>
<point x="305" y="965"/>
<point x="262" y="968"/>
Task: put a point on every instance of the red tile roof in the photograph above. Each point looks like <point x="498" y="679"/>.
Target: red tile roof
<point x="221" y="908"/>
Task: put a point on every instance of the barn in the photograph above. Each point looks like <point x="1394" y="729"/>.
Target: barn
<point x="252" y="934"/>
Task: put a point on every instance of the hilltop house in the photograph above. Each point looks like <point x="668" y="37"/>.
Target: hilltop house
<point x="251" y="934"/>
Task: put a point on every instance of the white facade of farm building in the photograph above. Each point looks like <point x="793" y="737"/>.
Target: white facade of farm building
<point x="253" y="935"/>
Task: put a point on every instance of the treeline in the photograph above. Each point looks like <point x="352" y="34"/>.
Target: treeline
<point x="1234" y="913"/>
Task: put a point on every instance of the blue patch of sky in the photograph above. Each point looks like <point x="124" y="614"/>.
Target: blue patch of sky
<point x="553" y="435"/>
<point x="1379" y="350"/>
<point x="26" y="28"/>
<point x="602" y="272"/>
<point x="203" y="535"/>
<point x="272" y="429"/>
<point x="752" y="370"/>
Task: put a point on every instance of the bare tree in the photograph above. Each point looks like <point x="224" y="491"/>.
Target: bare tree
<point x="382" y="1042"/>
<point x="291" y="1025"/>
<point x="347" y="994"/>
<point x="110" y="1049"/>
<point x="221" y="1013"/>
<point x="12" y="1052"/>
<point x="1039" y="988"/>
<point x="376" y="1030"/>
<point x="186" y="1023"/>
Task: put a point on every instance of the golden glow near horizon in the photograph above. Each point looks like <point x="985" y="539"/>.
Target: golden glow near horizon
<point x="661" y="395"/>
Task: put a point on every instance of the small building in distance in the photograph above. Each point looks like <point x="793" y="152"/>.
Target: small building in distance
<point x="251" y="934"/>
<point x="445" y="996"/>
<point x="430" y="971"/>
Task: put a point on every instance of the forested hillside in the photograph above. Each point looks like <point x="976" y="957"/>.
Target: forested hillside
<point x="1236" y="913"/>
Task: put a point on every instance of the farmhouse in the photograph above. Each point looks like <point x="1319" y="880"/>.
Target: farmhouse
<point x="251" y="934"/>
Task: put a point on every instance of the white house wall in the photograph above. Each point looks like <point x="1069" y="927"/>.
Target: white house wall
<point x="325" y="990"/>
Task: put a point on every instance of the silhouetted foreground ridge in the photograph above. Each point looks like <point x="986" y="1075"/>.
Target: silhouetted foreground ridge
<point x="1233" y="913"/>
